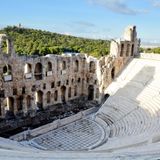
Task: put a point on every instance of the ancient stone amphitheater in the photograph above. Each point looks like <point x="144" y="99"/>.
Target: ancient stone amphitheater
<point x="126" y="126"/>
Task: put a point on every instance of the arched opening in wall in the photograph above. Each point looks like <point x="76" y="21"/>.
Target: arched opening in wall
<point x="10" y="104"/>
<point x="9" y="107"/>
<point x="87" y="80"/>
<point x="128" y="50"/>
<point x="134" y="33"/>
<point x="75" y="90"/>
<point x="72" y="81"/>
<point x="83" y="85"/>
<point x="92" y="67"/>
<point x="2" y="93"/>
<point x="58" y="83"/>
<point x="48" y="97"/>
<point x="76" y="66"/>
<point x="52" y="85"/>
<point x="38" y="71"/>
<point x="63" y="94"/>
<point x="7" y="70"/>
<point x="97" y="93"/>
<point x="90" y="92"/>
<point x="5" y="106"/>
<point x="28" y="101"/>
<point x="44" y="86"/>
<point x="67" y="82"/>
<point x="58" y="65"/>
<point x="122" y="50"/>
<point x="56" y="95"/>
<point x="0" y="109"/>
<point x="113" y="73"/>
<point x="7" y="73"/>
<point x="49" y="69"/>
<point x="28" y="70"/>
<point x="106" y="96"/>
<point x="79" y="80"/>
<point x="132" y="50"/>
<point x="49" y="66"/>
<point x="39" y="99"/>
<point x="23" y="90"/>
<point x="69" y="92"/>
<point x="64" y="65"/>
<point x="19" y="101"/>
<point x="83" y="62"/>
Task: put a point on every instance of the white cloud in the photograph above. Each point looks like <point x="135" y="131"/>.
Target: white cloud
<point x="118" y="6"/>
<point x="156" y="3"/>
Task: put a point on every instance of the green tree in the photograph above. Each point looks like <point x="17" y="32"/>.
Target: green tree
<point x="31" y="42"/>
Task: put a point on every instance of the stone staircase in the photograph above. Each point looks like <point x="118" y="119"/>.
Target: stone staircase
<point x="127" y="126"/>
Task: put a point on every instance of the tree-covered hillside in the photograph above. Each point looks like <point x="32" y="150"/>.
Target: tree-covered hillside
<point x="150" y="50"/>
<point x="33" y="42"/>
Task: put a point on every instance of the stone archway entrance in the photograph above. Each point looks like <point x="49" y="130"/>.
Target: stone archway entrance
<point x="48" y="96"/>
<point x="10" y="104"/>
<point x="132" y="50"/>
<point x="28" y="101"/>
<point x="39" y="99"/>
<point x="0" y="108"/>
<point x="90" y="92"/>
<point x="20" y="103"/>
<point x="38" y="71"/>
<point x="9" y="107"/>
<point x="63" y="94"/>
<point x="113" y="73"/>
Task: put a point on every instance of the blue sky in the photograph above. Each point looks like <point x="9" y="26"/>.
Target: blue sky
<point x="103" y="19"/>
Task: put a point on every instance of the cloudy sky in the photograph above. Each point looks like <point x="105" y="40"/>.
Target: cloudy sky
<point x="103" y="19"/>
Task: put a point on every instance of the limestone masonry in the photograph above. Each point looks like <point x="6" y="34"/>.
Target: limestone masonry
<point x="124" y="125"/>
<point x="30" y="84"/>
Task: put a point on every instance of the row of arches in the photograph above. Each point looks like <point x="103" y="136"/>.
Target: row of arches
<point x="39" y="95"/>
<point x="7" y="69"/>
<point x="9" y="102"/>
<point x="129" y="50"/>
<point x="62" y="65"/>
<point x="38" y="71"/>
<point x="40" y="100"/>
<point x="92" y="93"/>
